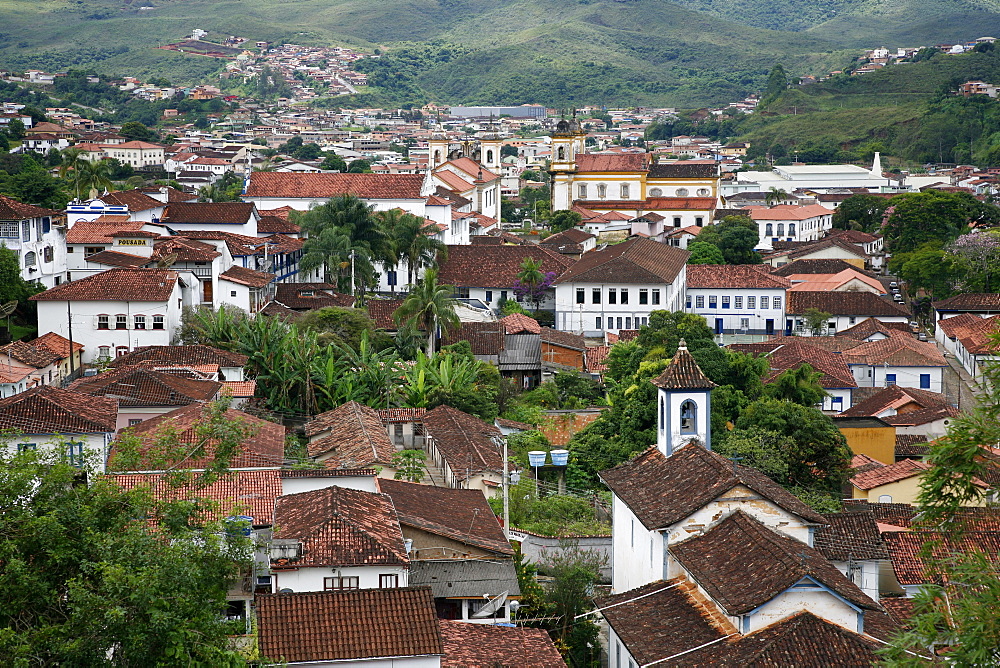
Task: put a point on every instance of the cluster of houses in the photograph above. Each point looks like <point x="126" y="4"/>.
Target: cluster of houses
<point x="427" y="565"/>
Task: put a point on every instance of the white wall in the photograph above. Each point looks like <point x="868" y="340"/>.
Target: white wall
<point x="95" y="445"/>
<point x="733" y="317"/>
<point x="669" y="435"/>
<point x="298" y="485"/>
<point x="866" y="577"/>
<point x="637" y="553"/>
<point x="574" y="317"/>
<point x="618" y="654"/>
<point x="311" y="579"/>
<point x="395" y="662"/>
<point x="817" y="601"/>
<point x="906" y="376"/>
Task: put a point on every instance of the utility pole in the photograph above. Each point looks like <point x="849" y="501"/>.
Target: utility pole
<point x="352" y="272"/>
<point x="506" y="492"/>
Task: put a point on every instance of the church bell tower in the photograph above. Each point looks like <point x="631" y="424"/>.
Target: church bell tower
<point x="683" y="404"/>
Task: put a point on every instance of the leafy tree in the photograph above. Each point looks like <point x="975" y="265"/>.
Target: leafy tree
<point x="919" y="218"/>
<point x="703" y="252"/>
<point x="12" y="286"/>
<point x="927" y="268"/>
<point x="862" y="211"/>
<point x="16" y="128"/>
<point x="333" y="162"/>
<point x="34" y="185"/>
<point x="736" y="237"/>
<point x="572" y="385"/>
<point x="775" y="196"/>
<point x="338" y="326"/>
<point x="95" y="576"/>
<point x="956" y="611"/>
<point x="818" y="455"/>
<point x="4" y="143"/>
<point x="815" y="319"/>
<point x="411" y="241"/>
<point x="574" y="572"/>
<point x="430" y="306"/>
<point x="799" y="385"/>
<point x="763" y="450"/>
<point x="410" y="465"/>
<point x="564" y="220"/>
<point x="135" y="131"/>
<point x="359" y="167"/>
<point x="777" y="83"/>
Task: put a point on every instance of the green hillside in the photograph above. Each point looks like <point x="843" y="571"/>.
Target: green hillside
<point x="908" y="112"/>
<point x="513" y="51"/>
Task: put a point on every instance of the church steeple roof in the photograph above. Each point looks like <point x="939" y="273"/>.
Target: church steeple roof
<point x="683" y="373"/>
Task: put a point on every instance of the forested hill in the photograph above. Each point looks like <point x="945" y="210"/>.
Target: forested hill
<point x="686" y="53"/>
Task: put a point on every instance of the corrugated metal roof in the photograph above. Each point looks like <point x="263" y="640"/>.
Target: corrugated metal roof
<point x="465" y="578"/>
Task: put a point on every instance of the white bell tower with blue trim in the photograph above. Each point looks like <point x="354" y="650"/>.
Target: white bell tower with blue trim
<point x="683" y="404"/>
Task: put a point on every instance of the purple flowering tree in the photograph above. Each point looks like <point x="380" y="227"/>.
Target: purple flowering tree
<point x="532" y="284"/>
<point x="979" y="253"/>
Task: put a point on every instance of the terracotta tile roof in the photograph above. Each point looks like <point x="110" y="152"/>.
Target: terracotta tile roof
<point x="321" y="186"/>
<point x="454" y="181"/>
<point x="51" y="410"/>
<point x="776" y="561"/>
<point x="563" y="339"/>
<point x="905" y="550"/>
<point x="351" y="436"/>
<point x="514" y="424"/>
<point x="899" y="349"/>
<point x="495" y="266"/>
<point x="462" y="515"/>
<point x="900" y="608"/>
<point x="818" y="266"/>
<point x="173" y="194"/>
<point x="636" y="260"/>
<point x="573" y="235"/>
<point x="970" y="301"/>
<point x="13" y="375"/>
<point x="211" y="213"/>
<point x="264" y="448"/>
<point x="56" y="344"/>
<point x="663" y="618"/>
<point x="276" y="225"/>
<point x="38" y="357"/>
<point x="922" y="416"/>
<point x="485" y="338"/>
<point x="11" y="209"/>
<point x="825" y="244"/>
<point x="649" y="204"/>
<point x="473" y="169"/>
<point x="119" y="285"/>
<point x="487" y="646"/>
<point x="248" y="277"/>
<point x="662" y="490"/>
<point x="139" y="386"/>
<point x="853" y="236"/>
<point x="389" y="415"/>
<point x="339" y="527"/>
<point x="351" y="624"/>
<point x="282" y="312"/>
<point x="610" y="162"/>
<point x="596" y="358"/>
<point x="135" y="200"/>
<point x="464" y="441"/>
<point x="187" y="250"/>
<point x="382" y="310"/>
<point x="800" y="640"/>
<point x="250" y="493"/>
<point x="850" y="535"/>
<point x="870" y="326"/>
<point x="911" y="445"/>
<point x="683" y="373"/>
<point x="861" y="463"/>
<point x="182" y="355"/>
<point x="734" y="276"/>
<point x="865" y="304"/>
<point x="974" y="333"/>
<point x="240" y="388"/>
<point x="788" y="212"/>
<point x="99" y="230"/>
<point x="683" y="169"/>
<point x="518" y="323"/>
<point x="116" y="259"/>
<point x="900" y="470"/>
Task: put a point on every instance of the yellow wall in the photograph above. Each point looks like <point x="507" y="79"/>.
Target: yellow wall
<point x="879" y="443"/>
<point x="901" y="491"/>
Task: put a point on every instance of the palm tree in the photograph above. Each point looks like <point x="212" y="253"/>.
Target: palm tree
<point x="342" y="226"/>
<point x="775" y="196"/>
<point x="531" y="277"/>
<point x="411" y="242"/>
<point x="93" y="177"/>
<point x="72" y="163"/>
<point x="429" y="304"/>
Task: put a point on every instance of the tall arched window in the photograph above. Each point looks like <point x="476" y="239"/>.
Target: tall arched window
<point x="30" y="259"/>
<point x="791" y="229"/>
<point x="489" y="156"/>
<point x="561" y="153"/>
<point x="768" y="230"/>
<point x="624" y="191"/>
<point x="437" y="157"/>
<point x="781" y="229"/>
<point x="663" y="413"/>
<point x="602" y="190"/>
<point x="689" y="414"/>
